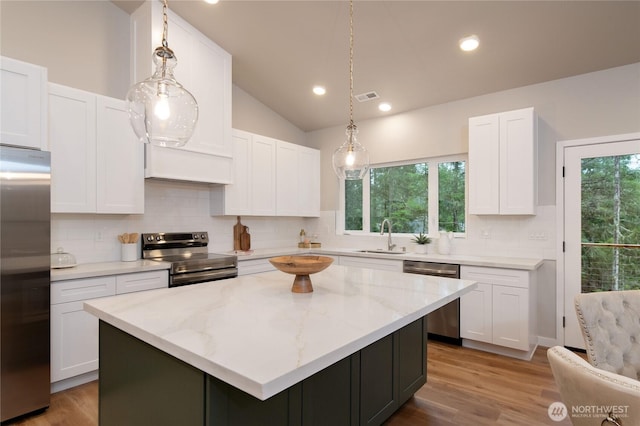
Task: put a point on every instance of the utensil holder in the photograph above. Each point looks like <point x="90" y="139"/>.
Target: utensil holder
<point x="129" y="252"/>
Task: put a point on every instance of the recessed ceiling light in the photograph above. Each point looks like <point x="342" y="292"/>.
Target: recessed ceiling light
<point x="384" y="107"/>
<point x="212" y="1"/>
<point x="469" y="43"/>
<point x="319" y="90"/>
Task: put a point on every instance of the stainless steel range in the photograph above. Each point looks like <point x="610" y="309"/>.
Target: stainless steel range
<point x="191" y="263"/>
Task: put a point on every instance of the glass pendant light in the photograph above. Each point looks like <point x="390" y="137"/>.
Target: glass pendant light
<point x="351" y="160"/>
<point x="161" y="111"/>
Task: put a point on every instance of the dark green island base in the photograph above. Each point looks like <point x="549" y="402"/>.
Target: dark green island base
<point x="141" y="385"/>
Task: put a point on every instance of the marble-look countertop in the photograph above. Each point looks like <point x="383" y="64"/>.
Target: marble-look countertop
<point x="255" y="334"/>
<point x="529" y="264"/>
<point x="88" y="270"/>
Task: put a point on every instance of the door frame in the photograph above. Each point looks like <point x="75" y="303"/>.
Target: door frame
<point x="560" y="208"/>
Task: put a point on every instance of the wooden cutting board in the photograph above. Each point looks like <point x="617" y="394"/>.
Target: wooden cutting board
<point x="245" y="239"/>
<point x="237" y="232"/>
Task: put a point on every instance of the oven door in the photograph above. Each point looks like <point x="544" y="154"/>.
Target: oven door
<point x="187" y="278"/>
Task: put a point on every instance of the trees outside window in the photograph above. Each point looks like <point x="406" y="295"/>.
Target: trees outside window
<point x="403" y="193"/>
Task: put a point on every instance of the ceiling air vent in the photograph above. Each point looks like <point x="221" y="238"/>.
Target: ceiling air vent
<point x="363" y="97"/>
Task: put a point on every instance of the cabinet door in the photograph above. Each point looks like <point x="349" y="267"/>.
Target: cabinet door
<point x="238" y="196"/>
<point x="120" y="160"/>
<point x="412" y="368"/>
<point x="476" y="313"/>
<point x="129" y="283"/>
<point x="263" y="176"/>
<point x="518" y="162"/>
<point x="511" y="317"/>
<point x="23" y="104"/>
<point x="287" y="180"/>
<point x="309" y="176"/>
<point x="378" y="375"/>
<point x="484" y="168"/>
<point x="74" y="341"/>
<point x="72" y="142"/>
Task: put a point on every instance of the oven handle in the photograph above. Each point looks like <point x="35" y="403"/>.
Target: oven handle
<point x="197" y="277"/>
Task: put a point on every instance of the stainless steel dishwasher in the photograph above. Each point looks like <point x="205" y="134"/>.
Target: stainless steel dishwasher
<point x="444" y="323"/>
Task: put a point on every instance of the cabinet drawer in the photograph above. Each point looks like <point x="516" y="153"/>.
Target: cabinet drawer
<point x="130" y="283"/>
<point x="507" y="277"/>
<point x="363" y="262"/>
<point x="82" y="289"/>
<point x="254" y="266"/>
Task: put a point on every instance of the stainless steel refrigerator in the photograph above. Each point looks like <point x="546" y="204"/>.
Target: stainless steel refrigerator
<point x="25" y="234"/>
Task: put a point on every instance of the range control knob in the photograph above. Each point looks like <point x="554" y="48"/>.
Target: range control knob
<point x="203" y="236"/>
<point x="195" y="236"/>
<point x="149" y="238"/>
<point x="158" y="238"/>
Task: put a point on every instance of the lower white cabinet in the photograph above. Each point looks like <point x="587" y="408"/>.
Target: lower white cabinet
<point x="501" y="310"/>
<point x="74" y="332"/>
<point x="254" y="266"/>
<point x="371" y="263"/>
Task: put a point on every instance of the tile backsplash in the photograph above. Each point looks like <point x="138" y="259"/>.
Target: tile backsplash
<point x="170" y="206"/>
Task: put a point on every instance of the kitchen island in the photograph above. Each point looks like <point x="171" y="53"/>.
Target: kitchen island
<point x="249" y="351"/>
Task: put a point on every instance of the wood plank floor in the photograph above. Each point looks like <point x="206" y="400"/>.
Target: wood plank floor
<point x="464" y="387"/>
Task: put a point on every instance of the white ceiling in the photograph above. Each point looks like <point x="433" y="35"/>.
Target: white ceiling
<point x="406" y="51"/>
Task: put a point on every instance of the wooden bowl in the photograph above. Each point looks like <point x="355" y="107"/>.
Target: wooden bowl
<point x="301" y="267"/>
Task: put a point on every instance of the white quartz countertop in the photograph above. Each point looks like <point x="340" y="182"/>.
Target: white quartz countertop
<point x="88" y="270"/>
<point x="529" y="264"/>
<point x="255" y="334"/>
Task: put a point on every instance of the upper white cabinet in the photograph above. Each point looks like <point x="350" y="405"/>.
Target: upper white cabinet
<point x="97" y="162"/>
<point x="502" y="163"/>
<point x="297" y="180"/>
<point x="23" y="104"/>
<point x="253" y="192"/>
<point x="272" y="178"/>
<point x="204" y="69"/>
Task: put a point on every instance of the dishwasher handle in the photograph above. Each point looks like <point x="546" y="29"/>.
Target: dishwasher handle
<point x="430" y="268"/>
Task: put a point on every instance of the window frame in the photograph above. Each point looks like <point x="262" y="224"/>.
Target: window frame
<point x="433" y="210"/>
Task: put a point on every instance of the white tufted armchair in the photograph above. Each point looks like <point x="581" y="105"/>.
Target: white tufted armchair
<point x="610" y="324"/>
<point x="593" y="397"/>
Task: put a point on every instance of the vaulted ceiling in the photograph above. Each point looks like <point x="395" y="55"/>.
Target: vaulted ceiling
<point x="406" y="51"/>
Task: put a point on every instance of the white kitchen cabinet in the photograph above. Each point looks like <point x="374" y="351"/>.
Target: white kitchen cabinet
<point x="501" y="310"/>
<point x="272" y="178"/>
<point x="298" y="180"/>
<point x="254" y="266"/>
<point x="96" y="161"/>
<point x="371" y="263"/>
<point x="204" y="69"/>
<point x="74" y="332"/>
<point x="23" y="104"/>
<point x="502" y="163"/>
<point x="253" y="192"/>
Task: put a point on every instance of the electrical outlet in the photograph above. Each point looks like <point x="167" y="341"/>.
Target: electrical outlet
<point x="98" y="237"/>
<point x="485" y="233"/>
<point x="537" y="235"/>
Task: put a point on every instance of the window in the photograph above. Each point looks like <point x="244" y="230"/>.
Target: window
<point x="411" y="195"/>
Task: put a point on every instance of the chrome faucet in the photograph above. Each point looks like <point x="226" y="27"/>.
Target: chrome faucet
<point x="390" y="246"/>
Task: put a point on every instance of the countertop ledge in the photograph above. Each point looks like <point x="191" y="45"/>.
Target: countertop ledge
<point x="90" y="270"/>
<point x="528" y="264"/>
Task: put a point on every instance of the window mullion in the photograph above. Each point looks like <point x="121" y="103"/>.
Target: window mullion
<point x="432" y="209"/>
<point x="366" y="205"/>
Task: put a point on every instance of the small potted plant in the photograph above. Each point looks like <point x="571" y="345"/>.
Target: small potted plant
<point x="421" y="241"/>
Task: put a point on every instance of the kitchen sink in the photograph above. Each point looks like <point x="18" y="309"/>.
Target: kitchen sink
<point x="380" y="251"/>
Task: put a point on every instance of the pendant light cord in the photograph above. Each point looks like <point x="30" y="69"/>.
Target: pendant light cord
<point x="165" y="25"/>
<point x="351" y="63"/>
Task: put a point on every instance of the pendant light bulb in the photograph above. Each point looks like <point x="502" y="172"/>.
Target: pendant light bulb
<point x="162" y="112"/>
<point x="351" y="160"/>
